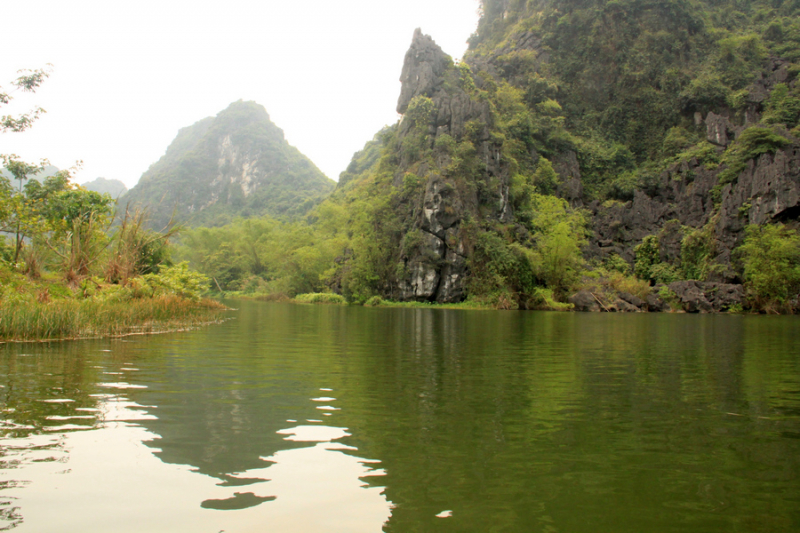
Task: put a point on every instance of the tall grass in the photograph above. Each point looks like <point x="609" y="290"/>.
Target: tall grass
<point x="73" y="319"/>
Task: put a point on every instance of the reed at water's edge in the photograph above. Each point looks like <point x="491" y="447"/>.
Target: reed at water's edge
<point x="72" y="319"/>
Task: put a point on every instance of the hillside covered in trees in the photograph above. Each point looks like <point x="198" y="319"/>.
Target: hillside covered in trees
<point x="235" y="164"/>
<point x="642" y="153"/>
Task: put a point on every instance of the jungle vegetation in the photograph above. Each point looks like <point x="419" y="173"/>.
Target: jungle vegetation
<point x="67" y="271"/>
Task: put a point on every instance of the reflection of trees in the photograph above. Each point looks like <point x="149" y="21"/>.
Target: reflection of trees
<point x="515" y="421"/>
<point x="221" y="394"/>
<point x="43" y="388"/>
<point x="512" y="420"/>
<point x="35" y="377"/>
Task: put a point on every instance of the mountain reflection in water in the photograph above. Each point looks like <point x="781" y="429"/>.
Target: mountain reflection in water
<point x="111" y="472"/>
<point x="480" y="421"/>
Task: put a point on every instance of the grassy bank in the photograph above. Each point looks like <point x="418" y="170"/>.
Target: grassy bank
<point x="76" y="319"/>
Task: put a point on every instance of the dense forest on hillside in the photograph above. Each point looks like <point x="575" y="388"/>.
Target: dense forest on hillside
<point x="516" y="176"/>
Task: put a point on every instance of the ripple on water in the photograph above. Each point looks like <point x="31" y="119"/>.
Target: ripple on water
<point x="66" y="427"/>
<point x="121" y="385"/>
<point x="313" y="433"/>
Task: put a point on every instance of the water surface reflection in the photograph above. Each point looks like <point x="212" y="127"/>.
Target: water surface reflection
<point x="480" y="421"/>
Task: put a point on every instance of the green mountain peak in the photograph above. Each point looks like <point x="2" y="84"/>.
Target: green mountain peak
<point x="237" y="164"/>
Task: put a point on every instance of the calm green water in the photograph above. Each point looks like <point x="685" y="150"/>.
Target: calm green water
<point x="325" y="419"/>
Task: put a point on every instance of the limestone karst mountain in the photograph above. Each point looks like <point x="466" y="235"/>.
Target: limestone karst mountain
<point x="572" y="134"/>
<point x="235" y="164"/>
<point x="673" y="120"/>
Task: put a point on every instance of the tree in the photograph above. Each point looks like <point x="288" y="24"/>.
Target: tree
<point x="14" y="216"/>
<point x="28" y="81"/>
<point x="18" y="218"/>
<point x="68" y="220"/>
<point x="560" y="234"/>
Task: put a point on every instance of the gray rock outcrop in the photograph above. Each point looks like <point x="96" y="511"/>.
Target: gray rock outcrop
<point x="436" y="267"/>
<point x="707" y="297"/>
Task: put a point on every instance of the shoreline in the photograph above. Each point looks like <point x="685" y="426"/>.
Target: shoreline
<point x="583" y="301"/>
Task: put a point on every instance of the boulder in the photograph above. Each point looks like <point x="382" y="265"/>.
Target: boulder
<point x="707" y="297"/>
<point x="621" y="306"/>
<point x="691" y="296"/>
<point x="631" y="299"/>
<point x="584" y="301"/>
<point x="654" y="303"/>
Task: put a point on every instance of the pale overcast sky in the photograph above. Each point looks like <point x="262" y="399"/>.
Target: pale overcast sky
<point x="128" y="75"/>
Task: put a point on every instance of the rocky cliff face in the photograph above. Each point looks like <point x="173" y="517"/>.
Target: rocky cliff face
<point x="768" y="190"/>
<point x="690" y="195"/>
<point x="437" y="265"/>
<point x="235" y="164"/>
<point x="687" y="196"/>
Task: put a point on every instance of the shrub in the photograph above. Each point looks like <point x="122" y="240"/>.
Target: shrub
<point x="677" y="140"/>
<point x="545" y="177"/>
<point x="750" y="144"/>
<point x="698" y="250"/>
<point x="670" y="298"/>
<point x="421" y="110"/>
<point x="321" y="298"/>
<point x="704" y="152"/>
<point x="178" y="280"/>
<point x="374" y="301"/>
<point x="605" y="285"/>
<point x="543" y="299"/>
<point x="664" y="273"/>
<point x="560" y="235"/>
<point x="620" y="282"/>
<point x="783" y="106"/>
<point x="646" y="255"/>
<point x="771" y="258"/>
<point x="614" y="263"/>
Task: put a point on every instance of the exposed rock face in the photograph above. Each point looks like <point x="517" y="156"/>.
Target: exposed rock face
<point x="708" y="297"/>
<point x="568" y="169"/>
<point x="423" y="69"/>
<point x="235" y="164"/>
<point x="768" y="189"/>
<point x="437" y="266"/>
<point x="688" y="194"/>
<point x="584" y="301"/>
<point x="719" y="129"/>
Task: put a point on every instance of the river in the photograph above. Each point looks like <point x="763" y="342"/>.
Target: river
<point x="295" y="418"/>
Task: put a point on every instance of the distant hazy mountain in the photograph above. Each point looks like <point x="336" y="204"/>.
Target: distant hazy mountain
<point x="102" y="185"/>
<point x="48" y="171"/>
<point x="235" y="164"/>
